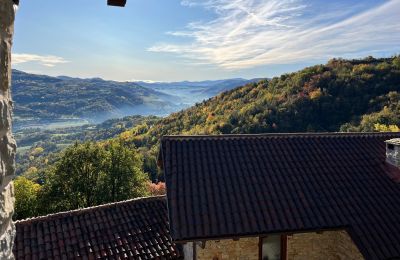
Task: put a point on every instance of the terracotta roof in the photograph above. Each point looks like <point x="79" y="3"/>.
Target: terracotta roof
<point x="134" y="229"/>
<point x="243" y="185"/>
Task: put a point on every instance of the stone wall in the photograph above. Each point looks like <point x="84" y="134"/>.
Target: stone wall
<point x="243" y="249"/>
<point x="7" y="143"/>
<point x="329" y="245"/>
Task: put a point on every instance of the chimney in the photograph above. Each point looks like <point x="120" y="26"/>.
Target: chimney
<point x="393" y="152"/>
<point x="120" y="3"/>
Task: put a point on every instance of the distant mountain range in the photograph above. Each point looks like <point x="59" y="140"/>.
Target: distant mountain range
<point x="191" y="92"/>
<point x="44" y="101"/>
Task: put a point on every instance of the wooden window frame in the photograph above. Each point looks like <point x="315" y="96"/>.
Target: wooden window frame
<point x="283" y="247"/>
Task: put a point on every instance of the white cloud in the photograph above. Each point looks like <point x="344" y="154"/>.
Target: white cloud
<point x="143" y="80"/>
<point x="46" y="60"/>
<point x="248" y="33"/>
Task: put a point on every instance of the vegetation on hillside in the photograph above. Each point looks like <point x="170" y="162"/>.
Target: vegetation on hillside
<point x="47" y="98"/>
<point x="36" y="147"/>
<point x="319" y="98"/>
<point x="343" y="95"/>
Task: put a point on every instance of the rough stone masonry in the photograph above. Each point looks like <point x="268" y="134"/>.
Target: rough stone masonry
<point x="7" y="142"/>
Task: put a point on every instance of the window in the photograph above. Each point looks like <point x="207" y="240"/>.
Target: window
<point x="273" y="247"/>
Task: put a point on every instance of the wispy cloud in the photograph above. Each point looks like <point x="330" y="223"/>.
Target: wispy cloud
<point x="46" y="60"/>
<point x="248" y="33"/>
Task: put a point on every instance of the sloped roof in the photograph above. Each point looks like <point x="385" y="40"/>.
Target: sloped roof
<point x="242" y="185"/>
<point x="134" y="229"/>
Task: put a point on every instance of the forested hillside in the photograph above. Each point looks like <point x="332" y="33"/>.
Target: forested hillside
<point x="58" y="102"/>
<point x="342" y="95"/>
<point x="39" y="98"/>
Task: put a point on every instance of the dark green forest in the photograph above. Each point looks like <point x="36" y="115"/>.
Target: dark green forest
<point x="342" y="95"/>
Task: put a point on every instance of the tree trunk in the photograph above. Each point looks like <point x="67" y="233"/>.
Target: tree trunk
<point x="7" y="142"/>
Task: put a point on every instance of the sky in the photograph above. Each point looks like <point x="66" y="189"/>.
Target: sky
<point x="174" y="40"/>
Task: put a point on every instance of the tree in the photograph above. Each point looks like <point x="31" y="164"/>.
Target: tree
<point x="76" y="179"/>
<point x="91" y="174"/>
<point x="124" y="177"/>
<point x="386" y="128"/>
<point x="26" y="195"/>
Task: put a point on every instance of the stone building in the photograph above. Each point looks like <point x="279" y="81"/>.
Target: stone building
<point x="289" y="196"/>
<point x="284" y="196"/>
<point x="274" y="196"/>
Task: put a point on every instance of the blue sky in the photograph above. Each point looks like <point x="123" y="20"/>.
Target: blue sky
<point x="171" y="40"/>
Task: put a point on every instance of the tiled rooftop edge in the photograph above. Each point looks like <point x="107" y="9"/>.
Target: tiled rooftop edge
<point x="305" y="134"/>
<point x="83" y="210"/>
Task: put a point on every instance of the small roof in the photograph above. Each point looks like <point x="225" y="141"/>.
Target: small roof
<point x="249" y="185"/>
<point x="134" y="229"/>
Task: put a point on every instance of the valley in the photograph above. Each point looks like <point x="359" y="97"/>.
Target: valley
<point x="52" y="113"/>
<point x="340" y="96"/>
<point x="46" y="102"/>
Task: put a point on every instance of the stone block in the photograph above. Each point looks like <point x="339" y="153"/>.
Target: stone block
<point x="7" y="142"/>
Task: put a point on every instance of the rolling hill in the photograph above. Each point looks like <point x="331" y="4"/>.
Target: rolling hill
<point x="56" y="102"/>
<point x="342" y="95"/>
<point x="45" y="99"/>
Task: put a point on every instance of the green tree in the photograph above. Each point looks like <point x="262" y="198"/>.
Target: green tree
<point x="76" y="179"/>
<point x="124" y="177"/>
<point x="91" y="174"/>
<point x="26" y="195"/>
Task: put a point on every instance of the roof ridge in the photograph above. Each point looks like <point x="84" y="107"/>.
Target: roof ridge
<point x="70" y="212"/>
<point x="300" y="134"/>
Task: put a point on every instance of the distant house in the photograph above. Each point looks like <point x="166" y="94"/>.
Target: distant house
<point x="133" y="229"/>
<point x="244" y="197"/>
<point x="284" y="196"/>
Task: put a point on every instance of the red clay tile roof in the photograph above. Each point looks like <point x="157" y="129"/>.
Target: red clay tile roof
<point x="134" y="229"/>
<point x="231" y="186"/>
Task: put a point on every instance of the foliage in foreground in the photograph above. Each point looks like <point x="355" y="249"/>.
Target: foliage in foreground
<point x="85" y="175"/>
<point x="26" y="198"/>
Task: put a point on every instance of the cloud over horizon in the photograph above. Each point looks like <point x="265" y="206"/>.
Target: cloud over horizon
<point x="44" y="60"/>
<point x="249" y="33"/>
